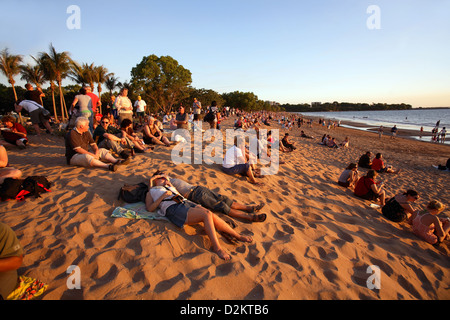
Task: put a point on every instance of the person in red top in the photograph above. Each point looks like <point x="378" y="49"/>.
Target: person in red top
<point x="96" y="103"/>
<point x="379" y="166"/>
<point x="14" y="132"/>
<point x="368" y="189"/>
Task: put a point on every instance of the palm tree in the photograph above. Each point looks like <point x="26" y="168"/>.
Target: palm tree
<point x="59" y="63"/>
<point x="111" y="83"/>
<point x="101" y="74"/>
<point x="10" y="67"/>
<point x="50" y="76"/>
<point x="33" y="74"/>
<point x="77" y="73"/>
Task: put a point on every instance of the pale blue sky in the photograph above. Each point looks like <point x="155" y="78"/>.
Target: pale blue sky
<point x="287" y="51"/>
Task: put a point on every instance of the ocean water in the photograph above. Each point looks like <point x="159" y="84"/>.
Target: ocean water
<point x="404" y="119"/>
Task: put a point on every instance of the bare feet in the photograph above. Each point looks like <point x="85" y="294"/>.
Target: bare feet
<point x="222" y="254"/>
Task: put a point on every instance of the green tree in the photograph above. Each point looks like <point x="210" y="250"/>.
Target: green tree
<point x="161" y="81"/>
<point x="59" y="63"/>
<point x="10" y="67"/>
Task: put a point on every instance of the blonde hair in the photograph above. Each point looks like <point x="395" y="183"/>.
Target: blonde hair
<point x="435" y="205"/>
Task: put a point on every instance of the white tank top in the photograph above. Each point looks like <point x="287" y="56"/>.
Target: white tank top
<point x="157" y="192"/>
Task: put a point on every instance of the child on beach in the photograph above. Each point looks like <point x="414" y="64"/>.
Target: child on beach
<point x="428" y="226"/>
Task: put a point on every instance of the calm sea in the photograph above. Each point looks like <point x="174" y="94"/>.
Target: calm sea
<point x="404" y="119"/>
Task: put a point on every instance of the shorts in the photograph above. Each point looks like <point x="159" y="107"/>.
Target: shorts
<point x="241" y="169"/>
<point x="140" y="114"/>
<point x="177" y="213"/>
<point x="85" y="160"/>
<point x="370" y="196"/>
<point x="37" y="116"/>
<point x="197" y="117"/>
<point x="210" y="200"/>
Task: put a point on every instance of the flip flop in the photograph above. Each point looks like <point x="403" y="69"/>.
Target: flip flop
<point x="258" y="207"/>
<point x="259" y="217"/>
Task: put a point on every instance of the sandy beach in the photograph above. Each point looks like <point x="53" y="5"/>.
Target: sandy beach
<point x="317" y="242"/>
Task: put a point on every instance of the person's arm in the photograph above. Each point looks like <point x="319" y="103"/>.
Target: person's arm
<point x="151" y="205"/>
<point x="438" y="227"/>
<point x="18" y="107"/>
<point x="375" y="188"/>
<point x="75" y="101"/>
<point x="10" y="263"/>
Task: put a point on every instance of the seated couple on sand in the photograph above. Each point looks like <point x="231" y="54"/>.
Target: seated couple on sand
<point x="163" y="196"/>
<point x="377" y="164"/>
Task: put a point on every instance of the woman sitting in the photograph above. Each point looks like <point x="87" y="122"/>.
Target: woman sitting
<point x="399" y="208"/>
<point x="163" y="196"/>
<point x="126" y="126"/>
<point x="379" y="166"/>
<point x="368" y="189"/>
<point x="14" y="133"/>
<point x="428" y="226"/>
<point x="287" y="144"/>
<point x="152" y="134"/>
<point x="349" y="176"/>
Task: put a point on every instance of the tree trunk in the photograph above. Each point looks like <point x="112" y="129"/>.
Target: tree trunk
<point x="61" y="98"/>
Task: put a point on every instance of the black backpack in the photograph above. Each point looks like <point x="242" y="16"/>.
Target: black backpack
<point x="19" y="189"/>
<point x="133" y="193"/>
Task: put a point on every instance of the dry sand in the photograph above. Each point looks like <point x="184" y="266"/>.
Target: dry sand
<point x="317" y="242"/>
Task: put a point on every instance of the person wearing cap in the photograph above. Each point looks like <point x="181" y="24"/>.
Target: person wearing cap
<point x="164" y="197"/>
<point x="140" y="106"/>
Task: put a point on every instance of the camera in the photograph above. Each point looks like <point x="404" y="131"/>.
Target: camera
<point x="177" y="198"/>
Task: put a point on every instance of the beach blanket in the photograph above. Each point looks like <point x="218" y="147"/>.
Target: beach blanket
<point x="136" y="211"/>
<point x="27" y="289"/>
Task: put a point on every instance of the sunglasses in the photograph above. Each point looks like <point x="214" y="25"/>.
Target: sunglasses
<point x="105" y="122"/>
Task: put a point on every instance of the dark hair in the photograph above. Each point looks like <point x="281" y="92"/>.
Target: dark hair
<point x="352" y="166"/>
<point x="371" y="173"/>
<point x="104" y="117"/>
<point x="378" y="155"/>
<point x="125" y="123"/>
<point x="214" y="103"/>
<point x="412" y="193"/>
<point x="83" y="90"/>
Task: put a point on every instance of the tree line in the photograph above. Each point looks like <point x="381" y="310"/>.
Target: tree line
<point x="343" y="106"/>
<point x="161" y="81"/>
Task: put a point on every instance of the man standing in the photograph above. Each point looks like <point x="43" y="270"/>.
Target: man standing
<point x="197" y="109"/>
<point x="394" y="132"/>
<point x="140" y="109"/>
<point x="79" y="141"/>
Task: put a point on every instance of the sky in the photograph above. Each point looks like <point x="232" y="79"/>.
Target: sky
<point x="288" y="51"/>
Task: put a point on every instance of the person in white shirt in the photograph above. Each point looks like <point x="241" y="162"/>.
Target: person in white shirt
<point x="442" y="134"/>
<point x="124" y="106"/>
<point x="36" y="112"/>
<point x="235" y="162"/>
<point x="140" y="109"/>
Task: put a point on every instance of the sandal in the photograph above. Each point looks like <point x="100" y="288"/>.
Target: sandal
<point x="259" y="217"/>
<point x="258" y="207"/>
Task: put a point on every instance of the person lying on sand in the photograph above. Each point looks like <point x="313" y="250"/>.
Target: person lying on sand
<point x="368" y="189"/>
<point x="399" y="207"/>
<point x="216" y="202"/>
<point x="180" y="211"/>
<point x="428" y="226"/>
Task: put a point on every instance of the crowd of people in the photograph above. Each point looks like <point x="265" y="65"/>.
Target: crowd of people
<point x="112" y="140"/>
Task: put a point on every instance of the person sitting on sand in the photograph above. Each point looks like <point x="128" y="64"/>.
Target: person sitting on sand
<point x="399" y="207"/>
<point x="11" y="258"/>
<point x="162" y="195"/>
<point x="345" y="143"/>
<point x="379" y="166"/>
<point x="5" y="170"/>
<point x="332" y="143"/>
<point x="349" y="176"/>
<point x="368" y="189"/>
<point x="106" y="136"/>
<point x="364" y="161"/>
<point x="287" y="144"/>
<point x="78" y="143"/>
<point x="446" y="167"/>
<point x="235" y="162"/>
<point x="126" y="126"/>
<point x="216" y="202"/>
<point x="428" y="226"/>
<point x="15" y="133"/>
<point x="152" y="134"/>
